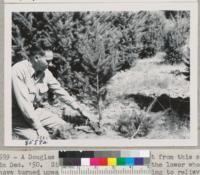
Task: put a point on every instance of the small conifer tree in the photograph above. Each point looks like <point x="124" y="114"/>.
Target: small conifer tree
<point x="100" y="61"/>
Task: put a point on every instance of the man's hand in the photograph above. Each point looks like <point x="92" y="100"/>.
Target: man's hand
<point x="83" y="115"/>
<point x="73" y="116"/>
<point x="43" y="134"/>
<point x="86" y="113"/>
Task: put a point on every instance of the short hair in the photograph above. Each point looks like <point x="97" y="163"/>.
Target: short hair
<point x="45" y="43"/>
<point x="36" y="50"/>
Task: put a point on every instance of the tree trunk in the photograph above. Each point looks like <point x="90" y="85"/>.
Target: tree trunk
<point x="99" y="101"/>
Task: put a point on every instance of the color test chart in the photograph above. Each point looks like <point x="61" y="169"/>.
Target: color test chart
<point x="104" y="162"/>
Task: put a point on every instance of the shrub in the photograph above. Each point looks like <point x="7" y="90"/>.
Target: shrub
<point x="149" y="31"/>
<point x="176" y="34"/>
<point x="186" y="60"/>
<point x="133" y="125"/>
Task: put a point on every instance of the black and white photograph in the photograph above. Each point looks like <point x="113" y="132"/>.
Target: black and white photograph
<point x="121" y="76"/>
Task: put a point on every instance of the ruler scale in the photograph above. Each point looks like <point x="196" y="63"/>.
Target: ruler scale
<point x="104" y="170"/>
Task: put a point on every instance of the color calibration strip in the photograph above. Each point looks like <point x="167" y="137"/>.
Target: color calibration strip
<point x="102" y="158"/>
<point x="126" y="161"/>
<point x="104" y="162"/>
<point x="101" y="154"/>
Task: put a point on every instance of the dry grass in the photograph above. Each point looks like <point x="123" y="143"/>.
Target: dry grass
<point x="151" y="78"/>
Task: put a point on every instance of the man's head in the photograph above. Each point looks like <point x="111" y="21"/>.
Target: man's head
<point x="40" y="58"/>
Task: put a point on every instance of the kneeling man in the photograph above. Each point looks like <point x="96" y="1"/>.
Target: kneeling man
<point x="31" y="79"/>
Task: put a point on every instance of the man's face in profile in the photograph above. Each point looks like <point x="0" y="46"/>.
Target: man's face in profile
<point x="41" y="63"/>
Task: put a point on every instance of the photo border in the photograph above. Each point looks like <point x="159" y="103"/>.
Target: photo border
<point x="150" y="6"/>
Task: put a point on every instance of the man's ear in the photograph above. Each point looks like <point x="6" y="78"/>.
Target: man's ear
<point x="36" y="57"/>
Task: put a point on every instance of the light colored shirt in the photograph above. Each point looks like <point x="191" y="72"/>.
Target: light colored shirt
<point x="27" y="89"/>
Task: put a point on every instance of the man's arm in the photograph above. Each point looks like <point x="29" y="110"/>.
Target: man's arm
<point x="64" y="96"/>
<point x="22" y="98"/>
<point x="67" y="99"/>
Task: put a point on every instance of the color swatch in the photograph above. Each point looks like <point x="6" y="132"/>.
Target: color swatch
<point x="102" y="158"/>
<point x="130" y="161"/>
<point x="92" y="154"/>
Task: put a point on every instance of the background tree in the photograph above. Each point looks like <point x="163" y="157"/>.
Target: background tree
<point x="175" y="36"/>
